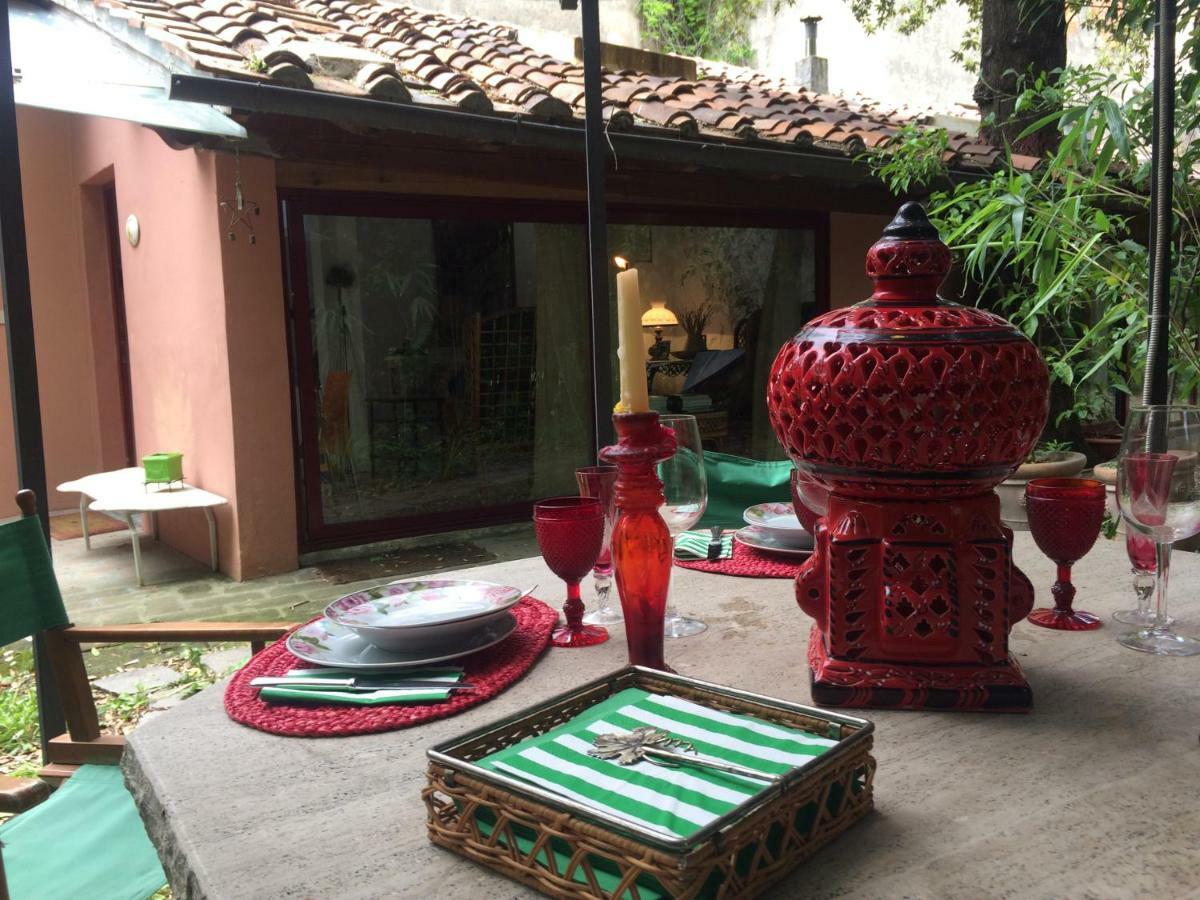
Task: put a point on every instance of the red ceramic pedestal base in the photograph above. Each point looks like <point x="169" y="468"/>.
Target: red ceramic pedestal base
<point x="578" y="636"/>
<point x="1000" y="687"/>
<point x="1065" y="620"/>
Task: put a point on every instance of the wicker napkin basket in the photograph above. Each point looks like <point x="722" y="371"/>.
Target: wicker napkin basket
<point x="564" y="849"/>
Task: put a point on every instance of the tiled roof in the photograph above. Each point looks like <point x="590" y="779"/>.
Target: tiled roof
<point x="403" y="55"/>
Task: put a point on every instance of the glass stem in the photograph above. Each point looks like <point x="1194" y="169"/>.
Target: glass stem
<point x="574" y="605"/>
<point x="1143" y="586"/>
<point x="1063" y="591"/>
<point x="1162" y="554"/>
<point x="602" y="584"/>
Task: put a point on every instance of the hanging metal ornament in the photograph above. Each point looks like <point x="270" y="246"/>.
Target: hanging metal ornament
<point x="239" y="209"/>
<point x="654" y="745"/>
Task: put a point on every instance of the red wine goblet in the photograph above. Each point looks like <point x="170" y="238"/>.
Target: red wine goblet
<point x="1064" y="517"/>
<point x="570" y="533"/>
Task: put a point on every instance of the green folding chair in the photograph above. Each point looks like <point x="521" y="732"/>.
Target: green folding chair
<point x="86" y="838"/>
<point x="735" y="483"/>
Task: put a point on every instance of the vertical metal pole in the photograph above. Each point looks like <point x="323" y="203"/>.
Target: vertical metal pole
<point x="1156" y="388"/>
<point x="597" y="225"/>
<point x="22" y="358"/>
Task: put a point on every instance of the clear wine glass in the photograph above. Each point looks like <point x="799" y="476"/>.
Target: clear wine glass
<point x="685" y="488"/>
<point x="1158" y="490"/>
<point x="601" y="482"/>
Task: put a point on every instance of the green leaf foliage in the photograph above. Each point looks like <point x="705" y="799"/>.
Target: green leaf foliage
<point x="1062" y="250"/>
<point x="711" y="29"/>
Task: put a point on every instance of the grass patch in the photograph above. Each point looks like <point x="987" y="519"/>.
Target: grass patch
<point x="20" y="747"/>
<point x="19" y="743"/>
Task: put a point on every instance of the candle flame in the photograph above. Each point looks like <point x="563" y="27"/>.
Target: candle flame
<point x="622" y="262"/>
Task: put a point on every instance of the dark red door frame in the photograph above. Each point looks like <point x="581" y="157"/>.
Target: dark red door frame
<point x="120" y="326"/>
<point x="314" y="533"/>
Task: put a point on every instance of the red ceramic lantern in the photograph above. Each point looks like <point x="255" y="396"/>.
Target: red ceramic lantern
<point x="908" y="410"/>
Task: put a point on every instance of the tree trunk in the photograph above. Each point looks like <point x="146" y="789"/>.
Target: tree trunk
<point x="1018" y="38"/>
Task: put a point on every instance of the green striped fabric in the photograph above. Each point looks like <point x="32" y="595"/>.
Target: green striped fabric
<point x="670" y="802"/>
<point x="361" y="698"/>
<point x="694" y="545"/>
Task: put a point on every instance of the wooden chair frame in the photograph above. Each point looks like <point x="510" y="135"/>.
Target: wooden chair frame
<point x="83" y="741"/>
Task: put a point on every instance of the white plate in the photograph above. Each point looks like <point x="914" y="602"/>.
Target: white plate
<point x="326" y="643"/>
<point x="779" y="521"/>
<point x="768" y="543"/>
<point x="404" y="615"/>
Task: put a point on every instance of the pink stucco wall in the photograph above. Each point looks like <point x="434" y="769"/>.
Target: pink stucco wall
<point x="70" y="422"/>
<point x="205" y="318"/>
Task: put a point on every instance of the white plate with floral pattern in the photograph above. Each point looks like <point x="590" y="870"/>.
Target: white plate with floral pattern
<point x="768" y="543"/>
<point x="406" y="614"/>
<point x="326" y="643"/>
<point x="779" y="521"/>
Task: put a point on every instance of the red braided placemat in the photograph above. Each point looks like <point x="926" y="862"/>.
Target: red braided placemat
<point x="490" y="670"/>
<point x="747" y="563"/>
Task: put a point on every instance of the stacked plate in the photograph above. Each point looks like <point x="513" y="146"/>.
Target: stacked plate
<point x="774" y="528"/>
<point x="408" y="623"/>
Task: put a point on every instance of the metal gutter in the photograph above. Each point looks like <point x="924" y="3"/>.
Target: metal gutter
<point x="119" y="82"/>
<point x="760" y="158"/>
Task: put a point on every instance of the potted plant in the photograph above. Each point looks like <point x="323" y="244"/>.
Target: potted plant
<point x="1052" y="459"/>
<point x="694" y="321"/>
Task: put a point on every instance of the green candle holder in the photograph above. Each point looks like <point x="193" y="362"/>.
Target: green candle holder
<point x="163" y="468"/>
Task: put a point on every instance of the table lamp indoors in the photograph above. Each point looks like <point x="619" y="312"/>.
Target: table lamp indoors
<point x="659" y="317"/>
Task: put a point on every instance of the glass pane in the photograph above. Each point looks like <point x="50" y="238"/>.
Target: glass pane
<point x="449" y="364"/>
<point x="743" y="291"/>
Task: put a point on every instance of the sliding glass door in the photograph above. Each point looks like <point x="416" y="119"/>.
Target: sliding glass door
<point x="441" y="350"/>
<point x="442" y="365"/>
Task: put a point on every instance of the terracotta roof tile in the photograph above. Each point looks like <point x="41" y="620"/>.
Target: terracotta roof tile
<point x="477" y="65"/>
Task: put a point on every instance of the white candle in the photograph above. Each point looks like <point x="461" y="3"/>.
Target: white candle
<point x="630" y="346"/>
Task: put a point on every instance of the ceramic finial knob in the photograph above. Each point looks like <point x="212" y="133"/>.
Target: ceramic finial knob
<point x="911" y="223"/>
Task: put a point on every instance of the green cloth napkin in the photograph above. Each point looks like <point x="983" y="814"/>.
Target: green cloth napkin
<point x="735" y="483"/>
<point x="316" y="694"/>
<point x="694" y="545"/>
<point x="670" y="802"/>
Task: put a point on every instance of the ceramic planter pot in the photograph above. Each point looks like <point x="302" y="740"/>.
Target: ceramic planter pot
<point x="1066" y="464"/>
<point x="1107" y="473"/>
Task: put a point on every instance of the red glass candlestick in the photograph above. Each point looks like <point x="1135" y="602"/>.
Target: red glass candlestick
<point x="908" y="410"/>
<point x="642" y="550"/>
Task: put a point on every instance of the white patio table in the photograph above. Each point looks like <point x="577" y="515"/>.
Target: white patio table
<point x="124" y="492"/>
<point x="1092" y="795"/>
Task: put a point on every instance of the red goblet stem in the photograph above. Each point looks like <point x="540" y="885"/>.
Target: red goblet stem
<point x="642" y="551"/>
<point x="573" y="608"/>
<point x="1063" y="590"/>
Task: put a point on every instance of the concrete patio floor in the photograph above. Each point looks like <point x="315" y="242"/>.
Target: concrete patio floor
<point x="99" y="587"/>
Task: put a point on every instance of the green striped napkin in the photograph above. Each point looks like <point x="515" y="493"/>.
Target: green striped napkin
<point x="354" y="698"/>
<point x="309" y="694"/>
<point x="694" y="545"/>
<point x="669" y="802"/>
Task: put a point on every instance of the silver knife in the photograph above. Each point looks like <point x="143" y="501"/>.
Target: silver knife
<point x="351" y="684"/>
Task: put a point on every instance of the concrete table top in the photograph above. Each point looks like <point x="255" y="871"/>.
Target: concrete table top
<point x="1093" y="794"/>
